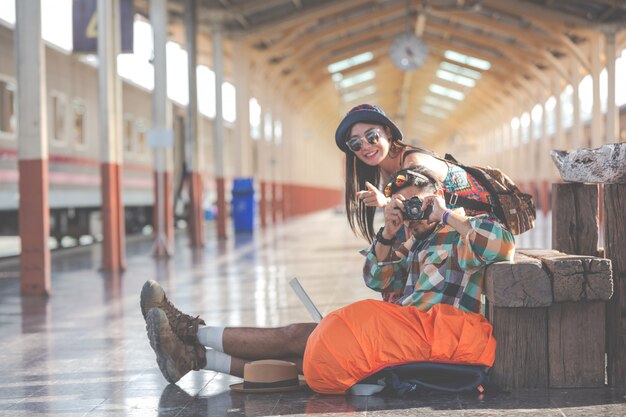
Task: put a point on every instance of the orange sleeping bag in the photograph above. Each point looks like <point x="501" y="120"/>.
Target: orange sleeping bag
<point x="362" y="338"/>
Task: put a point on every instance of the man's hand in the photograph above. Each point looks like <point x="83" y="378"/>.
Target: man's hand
<point x="437" y="203"/>
<point x="372" y="196"/>
<point x="393" y="216"/>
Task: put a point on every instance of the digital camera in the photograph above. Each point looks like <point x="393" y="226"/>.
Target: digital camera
<point x="413" y="209"/>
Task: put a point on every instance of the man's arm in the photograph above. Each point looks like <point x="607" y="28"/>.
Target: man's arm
<point x="386" y="275"/>
<point x="482" y="240"/>
<point x="386" y="270"/>
<point x="485" y="243"/>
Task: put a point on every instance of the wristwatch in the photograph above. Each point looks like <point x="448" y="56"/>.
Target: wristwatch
<point x="380" y="238"/>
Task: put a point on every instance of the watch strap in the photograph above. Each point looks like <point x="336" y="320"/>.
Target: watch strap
<point x="380" y="238"/>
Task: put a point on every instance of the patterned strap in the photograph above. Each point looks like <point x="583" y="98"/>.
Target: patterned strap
<point x="454" y="199"/>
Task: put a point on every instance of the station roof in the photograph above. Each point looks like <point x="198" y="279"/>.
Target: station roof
<point x="329" y="55"/>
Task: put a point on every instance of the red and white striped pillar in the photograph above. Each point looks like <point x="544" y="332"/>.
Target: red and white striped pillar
<point x="34" y="216"/>
<point x="218" y="133"/>
<point x="193" y="149"/>
<point x="110" y="129"/>
<point x="163" y="213"/>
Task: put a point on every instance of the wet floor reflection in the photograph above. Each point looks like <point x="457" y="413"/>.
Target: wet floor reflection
<point x="83" y="351"/>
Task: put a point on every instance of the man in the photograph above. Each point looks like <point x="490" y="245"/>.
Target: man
<point x="364" y="337"/>
<point x="443" y="261"/>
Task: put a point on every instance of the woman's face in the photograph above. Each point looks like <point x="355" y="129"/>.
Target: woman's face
<point x="370" y="153"/>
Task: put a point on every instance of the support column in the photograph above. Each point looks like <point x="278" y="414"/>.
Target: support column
<point x="544" y="160"/>
<point x="531" y="146"/>
<point x="110" y="129"/>
<point x="559" y="135"/>
<point x="263" y="155"/>
<point x="243" y="148"/>
<point x="276" y="159"/>
<point x="32" y="140"/>
<point x="597" y="119"/>
<point x="161" y="122"/>
<point x="193" y="149"/>
<point x="286" y="142"/>
<point x="612" y="119"/>
<point x="577" y="127"/>
<point x="218" y="133"/>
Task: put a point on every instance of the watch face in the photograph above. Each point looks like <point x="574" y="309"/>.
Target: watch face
<point x="408" y="52"/>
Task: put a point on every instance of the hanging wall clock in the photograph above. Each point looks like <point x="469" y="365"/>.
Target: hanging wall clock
<point x="408" y="52"/>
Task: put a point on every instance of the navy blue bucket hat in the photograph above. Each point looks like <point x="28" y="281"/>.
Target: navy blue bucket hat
<point x="364" y="113"/>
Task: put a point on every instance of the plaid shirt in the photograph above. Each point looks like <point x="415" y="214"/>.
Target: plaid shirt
<point x="444" y="268"/>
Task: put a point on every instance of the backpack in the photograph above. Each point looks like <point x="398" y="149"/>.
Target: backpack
<point x="419" y="378"/>
<point x="511" y="206"/>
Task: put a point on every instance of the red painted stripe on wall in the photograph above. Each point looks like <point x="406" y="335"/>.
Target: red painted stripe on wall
<point x="11" y="155"/>
<point x="303" y="199"/>
<point x="68" y="178"/>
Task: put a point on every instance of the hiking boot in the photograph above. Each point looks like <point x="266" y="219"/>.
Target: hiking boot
<point x="175" y="358"/>
<point x="183" y="325"/>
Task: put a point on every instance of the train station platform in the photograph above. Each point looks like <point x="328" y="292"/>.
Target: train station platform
<point x="83" y="351"/>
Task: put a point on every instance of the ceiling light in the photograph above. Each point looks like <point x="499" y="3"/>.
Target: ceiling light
<point x="455" y="78"/>
<point x="448" y="66"/>
<point x="448" y="92"/>
<point x="350" y="62"/>
<point x="355" y="79"/>
<point x="467" y="59"/>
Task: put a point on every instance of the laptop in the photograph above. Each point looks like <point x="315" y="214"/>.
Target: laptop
<point x="306" y="300"/>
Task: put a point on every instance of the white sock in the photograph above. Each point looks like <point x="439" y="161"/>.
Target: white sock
<point x="217" y="361"/>
<point x="211" y="336"/>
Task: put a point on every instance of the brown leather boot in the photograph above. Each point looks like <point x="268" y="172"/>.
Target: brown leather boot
<point x="175" y="358"/>
<point x="183" y="325"/>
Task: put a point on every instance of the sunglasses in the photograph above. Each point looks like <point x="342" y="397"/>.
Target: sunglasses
<point x="403" y="178"/>
<point x="355" y="142"/>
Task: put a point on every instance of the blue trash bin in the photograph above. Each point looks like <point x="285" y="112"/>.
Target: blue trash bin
<point x="243" y="205"/>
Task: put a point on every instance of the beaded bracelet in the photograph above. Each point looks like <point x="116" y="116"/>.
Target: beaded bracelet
<point x="444" y="218"/>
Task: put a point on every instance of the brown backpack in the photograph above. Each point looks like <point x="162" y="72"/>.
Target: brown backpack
<point x="514" y="208"/>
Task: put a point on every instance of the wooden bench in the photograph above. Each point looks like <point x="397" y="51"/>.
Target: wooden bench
<point x="548" y="313"/>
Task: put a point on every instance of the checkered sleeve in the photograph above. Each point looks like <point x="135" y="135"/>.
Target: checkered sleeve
<point x="389" y="275"/>
<point x="487" y="242"/>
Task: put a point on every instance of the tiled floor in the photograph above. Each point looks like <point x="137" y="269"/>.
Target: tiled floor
<point x="84" y="352"/>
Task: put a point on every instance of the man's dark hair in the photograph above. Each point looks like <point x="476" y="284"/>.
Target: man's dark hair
<point x="421" y="177"/>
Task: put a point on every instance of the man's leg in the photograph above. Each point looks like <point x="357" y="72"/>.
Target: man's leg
<point x="244" y="344"/>
<point x="179" y="339"/>
<point x="261" y="343"/>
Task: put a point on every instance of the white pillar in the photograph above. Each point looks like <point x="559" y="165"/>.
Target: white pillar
<point x="32" y="149"/>
<point x="612" y="119"/>
<point x="193" y="148"/>
<point x="218" y="131"/>
<point x="161" y="121"/>
<point x="243" y="148"/>
<point x="110" y="134"/>
<point x="597" y="119"/>
<point x="577" y="127"/>
<point x="559" y="135"/>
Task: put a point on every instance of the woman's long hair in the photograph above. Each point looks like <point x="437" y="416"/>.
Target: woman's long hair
<point x="360" y="216"/>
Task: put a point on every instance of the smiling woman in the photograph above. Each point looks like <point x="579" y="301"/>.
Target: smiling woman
<point x="374" y="152"/>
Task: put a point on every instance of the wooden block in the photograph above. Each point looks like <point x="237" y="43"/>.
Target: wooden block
<point x="522" y="347"/>
<point x="614" y="238"/>
<point x="576" y="277"/>
<point x="598" y="279"/>
<point x="521" y="283"/>
<point x="576" y="344"/>
<point x="575" y="218"/>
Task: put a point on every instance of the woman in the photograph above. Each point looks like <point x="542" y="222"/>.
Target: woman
<point x="374" y="152"/>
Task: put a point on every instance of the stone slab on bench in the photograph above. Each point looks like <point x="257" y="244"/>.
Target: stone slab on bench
<point x="576" y="277"/>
